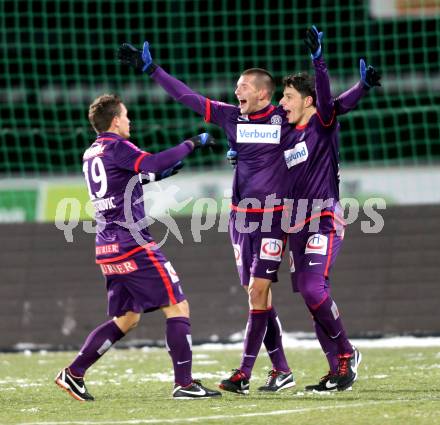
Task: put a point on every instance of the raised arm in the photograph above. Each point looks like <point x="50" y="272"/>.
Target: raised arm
<point x="324" y="99"/>
<point x="143" y="62"/>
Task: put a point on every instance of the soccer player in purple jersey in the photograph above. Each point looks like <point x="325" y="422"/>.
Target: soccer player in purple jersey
<point x="138" y="276"/>
<point x="258" y="131"/>
<point x="261" y="173"/>
<point x="313" y="161"/>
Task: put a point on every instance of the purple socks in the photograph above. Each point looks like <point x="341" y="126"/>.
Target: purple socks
<point x="255" y="331"/>
<point x="274" y="343"/>
<point x="179" y="344"/>
<point x="329" y="328"/>
<point x="96" y="344"/>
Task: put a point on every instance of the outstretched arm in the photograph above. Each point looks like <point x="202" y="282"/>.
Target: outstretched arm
<point x="180" y="91"/>
<point x="130" y="157"/>
<point x="348" y="100"/>
<point x="143" y="62"/>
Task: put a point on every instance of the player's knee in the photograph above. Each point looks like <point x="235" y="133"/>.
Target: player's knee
<point x="180" y="309"/>
<point x="258" y="294"/>
<point x="312" y="288"/>
<point x="128" y="322"/>
<point x="184" y="308"/>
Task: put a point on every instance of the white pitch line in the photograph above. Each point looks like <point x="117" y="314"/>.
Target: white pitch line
<point x="222" y="417"/>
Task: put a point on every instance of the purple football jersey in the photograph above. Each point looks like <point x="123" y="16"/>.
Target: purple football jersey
<point x="313" y="156"/>
<point x="111" y="167"/>
<point x="259" y="139"/>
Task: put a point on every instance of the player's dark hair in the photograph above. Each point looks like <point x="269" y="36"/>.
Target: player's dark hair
<point x="263" y="78"/>
<point x="102" y="111"/>
<point x="303" y="83"/>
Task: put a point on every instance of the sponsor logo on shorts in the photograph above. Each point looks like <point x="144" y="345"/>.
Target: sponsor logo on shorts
<point x="125" y="267"/>
<point x="107" y="249"/>
<point x="172" y="273"/>
<point x="317" y="244"/>
<point x="291" y="262"/>
<point x="258" y="133"/>
<point x="237" y="254"/>
<point x="296" y="155"/>
<point x="271" y="249"/>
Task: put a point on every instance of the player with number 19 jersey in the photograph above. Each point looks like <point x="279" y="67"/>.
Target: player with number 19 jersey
<point x="125" y="250"/>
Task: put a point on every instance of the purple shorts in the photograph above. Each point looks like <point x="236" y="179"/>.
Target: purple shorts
<point x="258" y="253"/>
<point x="314" y="248"/>
<point x="140" y="281"/>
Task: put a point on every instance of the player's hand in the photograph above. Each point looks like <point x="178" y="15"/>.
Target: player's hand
<point x="232" y="157"/>
<point x="155" y="177"/>
<point x="203" y="140"/>
<point x="313" y="41"/>
<point x="140" y="60"/>
<point x="370" y="77"/>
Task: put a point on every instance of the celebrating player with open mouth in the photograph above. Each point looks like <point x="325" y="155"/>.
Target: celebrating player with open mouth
<point x="313" y="162"/>
<point x="259" y="134"/>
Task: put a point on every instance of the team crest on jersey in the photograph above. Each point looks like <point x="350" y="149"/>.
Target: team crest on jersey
<point x="271" y="249"/>
<point x="296" y="155"/>
<point x="171" y="272"/>
<point x="291" y="262"/>
<point x="237" y="254"/>
<point x="276" y="120"/>
<point x="317" y="244"/>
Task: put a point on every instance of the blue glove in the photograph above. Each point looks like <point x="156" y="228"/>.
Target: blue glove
<point x="141" y="61"/>
<point x="232" y="157"/>
<point x="203" y="140"/>
<point x="146" y="56"/>
<point x="313" y="41"/>
<point x="369" y="76"/>
<point x="155" y="177"/>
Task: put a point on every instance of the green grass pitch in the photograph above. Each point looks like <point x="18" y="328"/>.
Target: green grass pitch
<point x="395" y="386"/>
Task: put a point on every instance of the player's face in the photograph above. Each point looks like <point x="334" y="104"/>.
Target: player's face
<point x="123" y="123"/>
<point x="249" y="97"/>
<point x="295" y="106"/>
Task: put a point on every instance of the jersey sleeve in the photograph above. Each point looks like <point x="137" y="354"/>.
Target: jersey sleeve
<point x="218" y="112"/>
<point x="180" y="91"/>
<point x="130" y="157"/>
<point x="349" y="99"/>
<point x="212" y="111"/>
<point x="324" y="100"/>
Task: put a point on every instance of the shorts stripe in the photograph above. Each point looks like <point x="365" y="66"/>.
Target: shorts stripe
<point x="127" y="254"/>
<point x="258" y="210"/>
<point x="330" y="249"/>
<point x="163" y="275"/>
<point x="323" y="214"/>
